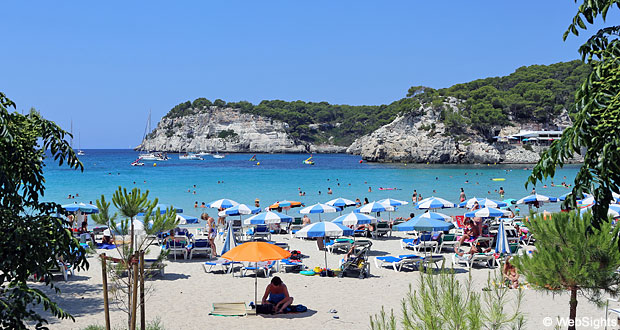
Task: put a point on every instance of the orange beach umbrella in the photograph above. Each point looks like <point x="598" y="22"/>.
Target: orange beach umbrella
<point x="256" y="252"/>
<point x="285" y="203"/>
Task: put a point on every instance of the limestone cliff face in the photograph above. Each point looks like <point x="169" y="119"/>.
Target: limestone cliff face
<point x="210" y="130"/>
<point x="422" y="138"/>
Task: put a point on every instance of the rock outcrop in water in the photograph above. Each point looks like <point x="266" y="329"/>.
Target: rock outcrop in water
<point x="226" y="130"/>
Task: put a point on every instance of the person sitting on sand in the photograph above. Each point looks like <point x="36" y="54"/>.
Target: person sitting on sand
<point x="305" y="221"/>
<point x="107" y="240"/>
<point x="509" y="272"/>
<point x="277" y="295"/>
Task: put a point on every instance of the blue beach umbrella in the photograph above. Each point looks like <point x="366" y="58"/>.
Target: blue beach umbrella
<point x="239" y="209"/>
<point x="487" y="212"/>
<point x="319" y="208"/>
<point x="340" y="202"/>
<point x="483" y="202"/>
<point x="82" y="207"/>
<point x="162" y="209"/>
<point x="501" y="240"/>
<point x="434" y="216"/>
<point x="222" y="203"/>
<point x="324" y="229"/>
<point x="534" y="198"/>
<point x="230" y="241"/>
<point x="434" y="203"/>
<point x="186" y="219"/>
<point x="267" y="218"/>
<point x="613" y="211"/>
<point x="373" y="208"/>
<point x="423" y="224"/>
<point x="392" y="202"/>
<point x="353" y="219"/>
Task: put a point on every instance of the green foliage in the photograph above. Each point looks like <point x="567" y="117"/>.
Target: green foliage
<point x="32" y="236"/>
<point x="442" y="302"/>
<point x="528" y="147"/>
<point x="180" y="110"/>
<point x="596" y="126"/>
<point x="573" y="255"/>
<point x="227" y="134"/>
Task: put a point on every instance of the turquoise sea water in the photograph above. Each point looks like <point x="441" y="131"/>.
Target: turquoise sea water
<point x="281" y="176"/>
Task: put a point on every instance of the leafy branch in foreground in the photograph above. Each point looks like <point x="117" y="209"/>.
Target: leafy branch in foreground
<point x="442" y="302"/>
<point x="596" y="126"/>
<point x="33" y="237"/>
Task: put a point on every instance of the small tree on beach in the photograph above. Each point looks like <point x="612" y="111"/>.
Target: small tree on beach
<point x="573" y="256"/>
<point x="442" y="302"/>
<point x="33" y="238"/>
<point x="129" y="205"/>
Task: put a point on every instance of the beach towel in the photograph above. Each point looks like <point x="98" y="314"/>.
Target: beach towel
<point x="229" y="309"/>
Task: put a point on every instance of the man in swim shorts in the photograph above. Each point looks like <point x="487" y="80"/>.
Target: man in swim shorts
<point x="277" y="295"/>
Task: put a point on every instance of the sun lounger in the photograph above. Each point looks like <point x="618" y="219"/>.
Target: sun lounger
<point x="382" y="228"/>
<point x="176" y="246"/>
<point x="448" y="241"/>
<point x="432" y="259"/>
<point x="264" y="266"/>
<point x="339" y="245"/>
<point x="261" y="232"/>
<point x="227" y="266"/>
<point x="290" y="265"/>
<point x="200" y="246"/>
<point x="418" y="244"/>
<point x="63" y="269"/>
<point x="485" y="259"/>
<point x="397" y="263"/>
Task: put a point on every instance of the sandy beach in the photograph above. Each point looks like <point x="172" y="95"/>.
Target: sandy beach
<point x="183" y="297"/>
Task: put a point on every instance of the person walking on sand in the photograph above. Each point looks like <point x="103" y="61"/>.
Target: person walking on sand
<point x="277" y="295"/>
<point x="211" y="233"/>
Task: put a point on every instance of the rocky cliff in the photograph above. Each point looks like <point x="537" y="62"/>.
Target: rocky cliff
<point x="421" y="137"/>
<point x="226" y="130"/>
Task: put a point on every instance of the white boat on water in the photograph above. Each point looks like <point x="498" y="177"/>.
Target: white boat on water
<point x="154" y="156"/>
<point x="188" y="156"/>
<point x="203" y="154"/>
<point x="137" y="162"/>
<point x="218" y="156"/>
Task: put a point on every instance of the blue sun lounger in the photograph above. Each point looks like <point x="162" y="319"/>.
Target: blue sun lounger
<point x="397" y="263"/>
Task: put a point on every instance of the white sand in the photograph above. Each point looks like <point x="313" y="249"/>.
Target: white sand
<point x="182" y="299"/>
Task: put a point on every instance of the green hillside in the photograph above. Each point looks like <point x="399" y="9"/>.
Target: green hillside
<point x="530" y="94"/>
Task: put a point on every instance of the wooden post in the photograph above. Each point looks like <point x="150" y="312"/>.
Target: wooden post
<point x="104" y="274"/>
<point x="134" y="300"/>
<point x="142" y="317"/>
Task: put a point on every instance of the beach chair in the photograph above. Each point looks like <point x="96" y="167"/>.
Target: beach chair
<point x="421" y="243"/>
<point x="382" y="229"/>
<point x="339" y="244"/>
<point x="262" y="266"/>
<point x="432" y="259"/>
<point x="177" y="246"/>
<point x="227" y="266"/>
<point x="63" y="269"/>
<point x="261" y="232"/>
<point x="448" y="241"/>
<point x="483" y="241"/>
<point x="397" y="263"/>
<point x="288" y="265"/>
<point x="469" y="260"/>
<point x="296" y="225"/>
<point x="200" y="246"/>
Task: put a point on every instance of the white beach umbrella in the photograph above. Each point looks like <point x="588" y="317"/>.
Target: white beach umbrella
<point x="434" y="203"/>
<point x="319" y="208"/>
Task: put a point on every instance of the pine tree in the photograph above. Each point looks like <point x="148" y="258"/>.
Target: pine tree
<point x="571" y="254"/>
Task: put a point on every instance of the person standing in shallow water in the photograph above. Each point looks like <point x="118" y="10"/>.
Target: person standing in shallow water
<point x="462" y="195"/>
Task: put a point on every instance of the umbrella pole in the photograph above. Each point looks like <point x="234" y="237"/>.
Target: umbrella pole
<point x="256" y="286"/>
<point x="325" y="250"/>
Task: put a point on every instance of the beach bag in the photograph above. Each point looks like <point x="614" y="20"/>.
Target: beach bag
<point x="264" y="309"/>
<point x="295" y="255"/>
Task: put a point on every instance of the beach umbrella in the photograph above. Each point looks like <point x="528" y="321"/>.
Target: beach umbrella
<point x="487" y="212"/>
<point x="319" y="208"/>
<point x="256" y="252"/>
<point x="424" y="224"/>
<point x="340" y="202"/>
<point x="435" y="216"/>
<point x="239" y="209"/>
<point x="230" y="241"/>
<point x="501" y="240"/>
<point x="434" y="203"/>
<point x="353" y="219"/>
<point x="163" y="208"/>
<point x="267" y="218"/>
<point x="392" y="202"/>
<point x="222" y="203"/>
<point x="615" y="197"/>
<point x="186" y="219"/>
<point x="613" y="211"/>
<point x="533" y="199"/>
<point x="284" y="204"/>
<point x="483" y="202"/>
<point x="374" y="207"/>
<point x="586" y="202"/>
<point x="324" y="229"/>
<point x="82" y="207"/>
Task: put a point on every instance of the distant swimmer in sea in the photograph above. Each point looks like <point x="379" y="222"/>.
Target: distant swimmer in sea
<point x="202" y="205"/>
<point x="196" y="204"/>
<point x="466" y="181"/>
<point x="329" y="191"/>
<point x="369" y="189"/>
<point x="462" y="195"/>
<point x="501" y="192"/>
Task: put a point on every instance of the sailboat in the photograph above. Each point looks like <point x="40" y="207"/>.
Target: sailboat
<point x="150" y="156"/>
<point x="253" y="159"/>
<point x="309" y="161"/>
<point x="217" y="155"/>
<point x="80" y="152"/>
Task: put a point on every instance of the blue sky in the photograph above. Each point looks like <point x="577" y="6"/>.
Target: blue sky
<point x="105" y="64"/>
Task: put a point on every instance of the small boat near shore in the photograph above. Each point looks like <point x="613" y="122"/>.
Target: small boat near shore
<point x="218" y="156"/>
<point x="309" y="161"/>
<point x="189" y="156"/>
<point x="137" y="162"/>
<point x="201" y="154"/>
